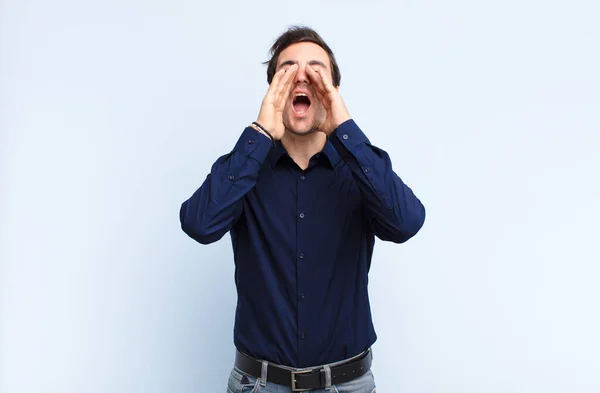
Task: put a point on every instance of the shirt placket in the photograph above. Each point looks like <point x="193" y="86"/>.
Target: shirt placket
<point x="302" y="260"/>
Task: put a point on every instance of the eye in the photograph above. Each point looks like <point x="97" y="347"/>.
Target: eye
<point x="318" y="66"/>
<point x="284" y="66"/>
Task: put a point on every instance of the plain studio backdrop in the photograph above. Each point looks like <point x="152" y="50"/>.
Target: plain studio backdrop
<point x="112" y="112"/>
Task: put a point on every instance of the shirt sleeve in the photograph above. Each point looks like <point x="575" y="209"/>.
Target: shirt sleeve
<point x="217" y="205"/>
<point x="391" y="208"/>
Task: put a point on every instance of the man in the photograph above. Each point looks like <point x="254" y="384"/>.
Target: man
<point x="303" y="194"/>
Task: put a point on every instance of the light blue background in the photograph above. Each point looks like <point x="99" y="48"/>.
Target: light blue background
<point x="112" y="112"/>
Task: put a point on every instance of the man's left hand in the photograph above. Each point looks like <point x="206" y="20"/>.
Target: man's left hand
<point x="330" y="98"/>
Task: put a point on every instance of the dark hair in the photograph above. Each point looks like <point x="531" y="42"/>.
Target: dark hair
<point x="296" y="34"/>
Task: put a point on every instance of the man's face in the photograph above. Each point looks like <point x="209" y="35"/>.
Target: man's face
<point x="303" y="111"/>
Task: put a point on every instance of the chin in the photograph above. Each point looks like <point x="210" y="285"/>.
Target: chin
<point x="301" y="130"/>
<point x="301" y="126"/>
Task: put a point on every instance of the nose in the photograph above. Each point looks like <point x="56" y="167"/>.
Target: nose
<point x="301" y="76"/>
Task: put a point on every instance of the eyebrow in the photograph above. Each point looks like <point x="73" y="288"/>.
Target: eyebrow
<point x="312" y="62"/>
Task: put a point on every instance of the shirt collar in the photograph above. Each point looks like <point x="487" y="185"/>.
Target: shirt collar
<point x="278" y="151"/>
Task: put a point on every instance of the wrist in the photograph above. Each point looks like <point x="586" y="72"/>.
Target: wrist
<point x="267" y="131"/>
<point x="260" y="129"/>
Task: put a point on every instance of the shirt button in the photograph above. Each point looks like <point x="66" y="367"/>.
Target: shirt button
<point x="302" y="295"/>
<point x="302" y="336"/>
<point x="231" y="177"/>
<point x="251" y="141"/>
<point x="301" y="255"/>
<point x="301" y="215"/>
<point x="367" y="170"/>
<point x="302" y="177"/>
<point x="345" y="136"/>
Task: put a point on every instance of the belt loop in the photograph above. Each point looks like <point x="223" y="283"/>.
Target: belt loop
<point x="263" y="374"/>
<point x="327" y="377"/>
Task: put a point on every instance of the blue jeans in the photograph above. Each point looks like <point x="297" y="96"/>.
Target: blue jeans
<point x="363" y="384"/>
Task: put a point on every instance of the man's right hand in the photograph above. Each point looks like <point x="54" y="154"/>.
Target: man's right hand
<point x="273" y="105"/>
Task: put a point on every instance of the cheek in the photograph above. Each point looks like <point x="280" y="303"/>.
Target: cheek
<point x="316" y="105"/>
<point x="320" y="110"/>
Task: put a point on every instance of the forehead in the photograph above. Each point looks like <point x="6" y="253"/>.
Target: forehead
<point x="303" y="51"/>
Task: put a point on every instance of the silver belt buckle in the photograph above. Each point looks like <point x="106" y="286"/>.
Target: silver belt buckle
<point x="294" y="373"/>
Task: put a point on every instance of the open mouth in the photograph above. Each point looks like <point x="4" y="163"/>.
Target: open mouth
<point x="301" y="103"/>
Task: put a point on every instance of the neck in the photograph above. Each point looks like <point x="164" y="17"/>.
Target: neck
<point x="302" y="147"/>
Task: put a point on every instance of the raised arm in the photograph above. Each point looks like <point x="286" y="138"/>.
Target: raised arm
<point x="392" y="209"/>
<point x="217" y="205"/>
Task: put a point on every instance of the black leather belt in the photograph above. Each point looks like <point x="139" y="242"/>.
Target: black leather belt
<point x="308" y="379"/>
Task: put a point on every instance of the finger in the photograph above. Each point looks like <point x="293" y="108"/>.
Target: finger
<point x="325" y="77"/>
<point x="287" y="81"/>
<point x="275" y="82"/>
<point x="290" y="85"/>
<point x="316" y="80"/>
<point x="320" y="88"/>
<point x="270" y="96"/>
